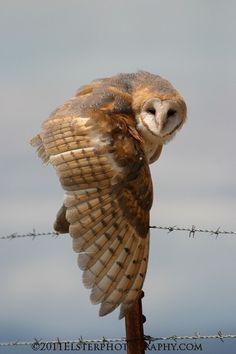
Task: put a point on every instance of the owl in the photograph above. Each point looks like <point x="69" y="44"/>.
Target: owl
<point x="101" y="142"/>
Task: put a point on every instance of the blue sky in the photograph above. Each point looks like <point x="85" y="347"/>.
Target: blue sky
<point x="48" y="50"/>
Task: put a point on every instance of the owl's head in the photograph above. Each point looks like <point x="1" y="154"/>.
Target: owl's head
<point x="151" y="104"/>
<point x="161" y="118"/>
<point x="159" y="112"/>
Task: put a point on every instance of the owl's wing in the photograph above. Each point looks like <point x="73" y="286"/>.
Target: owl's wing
<point x="104" y="172"/>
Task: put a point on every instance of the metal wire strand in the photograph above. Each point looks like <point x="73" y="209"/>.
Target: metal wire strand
<point x="31" y="235"/>
<point x="190" y="230"/>
<point x="148" y="339"/>
<point x="193" y="230"/>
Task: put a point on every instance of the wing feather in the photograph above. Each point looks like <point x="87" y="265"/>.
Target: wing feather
<point x="103" y="282"/>
<point x="123" y="280"/>
<point x="135" y="290"/>
<point x="105" y="175"/>
<point x="84" y="239"/>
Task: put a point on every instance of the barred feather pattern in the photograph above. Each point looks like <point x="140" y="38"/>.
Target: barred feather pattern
<point x="112" y="246"/>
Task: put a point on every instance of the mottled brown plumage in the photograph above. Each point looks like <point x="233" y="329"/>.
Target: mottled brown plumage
<point x="100" y="143"/>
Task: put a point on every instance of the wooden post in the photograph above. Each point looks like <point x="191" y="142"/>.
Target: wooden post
<point x="134" y="328"/>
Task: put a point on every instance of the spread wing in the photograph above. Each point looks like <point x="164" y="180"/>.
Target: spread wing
<point x="108" y="194"/>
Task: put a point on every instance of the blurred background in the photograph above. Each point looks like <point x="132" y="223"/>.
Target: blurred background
<point x="48" y="50"/>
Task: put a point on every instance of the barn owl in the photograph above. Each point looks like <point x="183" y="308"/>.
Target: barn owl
<point x="101" y="143"/>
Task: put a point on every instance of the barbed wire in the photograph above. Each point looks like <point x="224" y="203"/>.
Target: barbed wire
<point x="146" y="338"/>
<point x="191" y="231"/>
<point x="197" y="335"/>
<point x="31" y="235"/>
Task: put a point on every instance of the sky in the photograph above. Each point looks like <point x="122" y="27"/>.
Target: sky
<point x="48" y="50"/>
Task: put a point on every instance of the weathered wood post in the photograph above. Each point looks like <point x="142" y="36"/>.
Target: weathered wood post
<point x="134" y="328"/>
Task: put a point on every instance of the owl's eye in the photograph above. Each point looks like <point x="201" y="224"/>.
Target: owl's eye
<point x="151" y="111"/>
<point x="170" y="113"/>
